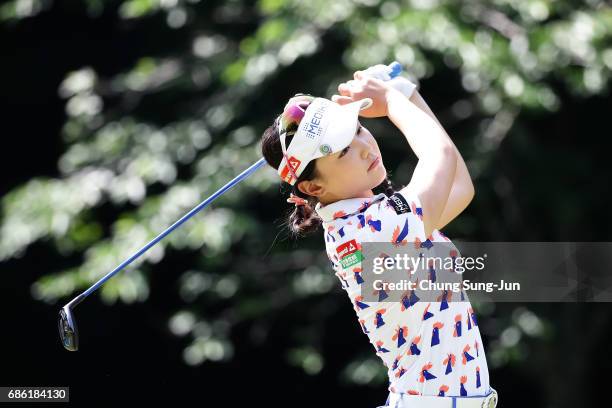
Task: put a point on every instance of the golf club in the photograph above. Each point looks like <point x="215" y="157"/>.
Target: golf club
<point x="66" y="322"/>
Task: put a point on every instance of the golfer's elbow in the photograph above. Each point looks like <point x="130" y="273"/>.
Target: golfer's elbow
<point x="469" y="191"/>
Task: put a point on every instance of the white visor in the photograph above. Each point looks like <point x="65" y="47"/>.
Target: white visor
<point x="326" y="128"/>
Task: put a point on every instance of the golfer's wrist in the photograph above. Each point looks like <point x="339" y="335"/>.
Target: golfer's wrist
<point x="391" y="96"/>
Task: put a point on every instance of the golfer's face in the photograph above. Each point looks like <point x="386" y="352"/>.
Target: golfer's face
<point x="345" y="173"/>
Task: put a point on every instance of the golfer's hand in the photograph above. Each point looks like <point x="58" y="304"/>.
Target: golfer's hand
<point x="365" y="87"/>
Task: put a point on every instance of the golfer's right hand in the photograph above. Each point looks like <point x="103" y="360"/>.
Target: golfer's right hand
<point x="365" y="87"/>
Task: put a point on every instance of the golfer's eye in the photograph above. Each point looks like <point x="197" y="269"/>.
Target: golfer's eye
<point x="344" y="151"/>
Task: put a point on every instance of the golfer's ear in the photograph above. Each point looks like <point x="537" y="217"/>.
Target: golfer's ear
<point x="311" y="188"/>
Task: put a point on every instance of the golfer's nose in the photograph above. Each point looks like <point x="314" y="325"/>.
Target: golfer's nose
<point x="366" y="150"/>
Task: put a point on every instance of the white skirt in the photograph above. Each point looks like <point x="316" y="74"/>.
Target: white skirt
<point x="404" y="400"/>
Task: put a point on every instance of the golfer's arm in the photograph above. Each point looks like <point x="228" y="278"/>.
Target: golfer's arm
<point x="462" y="190"/>
<point x="435" y="171"/>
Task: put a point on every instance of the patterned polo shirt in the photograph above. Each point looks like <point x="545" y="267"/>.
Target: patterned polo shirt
<point x="428" y="347"/>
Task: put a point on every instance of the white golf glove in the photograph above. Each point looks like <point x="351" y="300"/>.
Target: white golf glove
<point x="380" y="71"/>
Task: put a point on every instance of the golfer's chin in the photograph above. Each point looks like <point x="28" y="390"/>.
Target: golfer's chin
<point x="378" y="174"/>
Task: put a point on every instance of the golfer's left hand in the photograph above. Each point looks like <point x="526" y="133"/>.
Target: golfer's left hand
<point x="365" y="87"/>
<point x="380" y="71"/>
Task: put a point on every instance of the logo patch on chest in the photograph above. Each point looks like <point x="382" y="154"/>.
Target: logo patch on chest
<point x="399" y="203"/>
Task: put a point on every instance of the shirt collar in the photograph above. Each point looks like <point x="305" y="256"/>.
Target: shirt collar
<point x="347" y="207"/>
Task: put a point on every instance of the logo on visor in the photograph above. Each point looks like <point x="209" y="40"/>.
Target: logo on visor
<point x="314" y="128"/>
<point x="286" y="174"/>
<point x="325" y="149"/>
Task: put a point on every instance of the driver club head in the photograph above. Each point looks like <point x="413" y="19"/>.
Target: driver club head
<point x="68" y="329"/>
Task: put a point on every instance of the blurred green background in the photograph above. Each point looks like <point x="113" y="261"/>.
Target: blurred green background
<point x="121" y="116"/>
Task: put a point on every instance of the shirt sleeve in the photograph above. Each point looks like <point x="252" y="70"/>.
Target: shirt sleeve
<point x="415" y="207"/>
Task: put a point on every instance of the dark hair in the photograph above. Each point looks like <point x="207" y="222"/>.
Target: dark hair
<point x="304" y="219"/>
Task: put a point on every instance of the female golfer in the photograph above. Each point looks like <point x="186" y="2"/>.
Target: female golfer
<point x="432" y="348"/>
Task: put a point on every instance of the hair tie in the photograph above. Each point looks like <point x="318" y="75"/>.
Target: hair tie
<point x="296" y="200"/>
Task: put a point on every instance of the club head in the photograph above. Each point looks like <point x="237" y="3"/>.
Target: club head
<point x="68" y="329"/>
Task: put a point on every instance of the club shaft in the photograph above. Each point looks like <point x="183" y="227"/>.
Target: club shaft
<point x="190" y="214"/>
